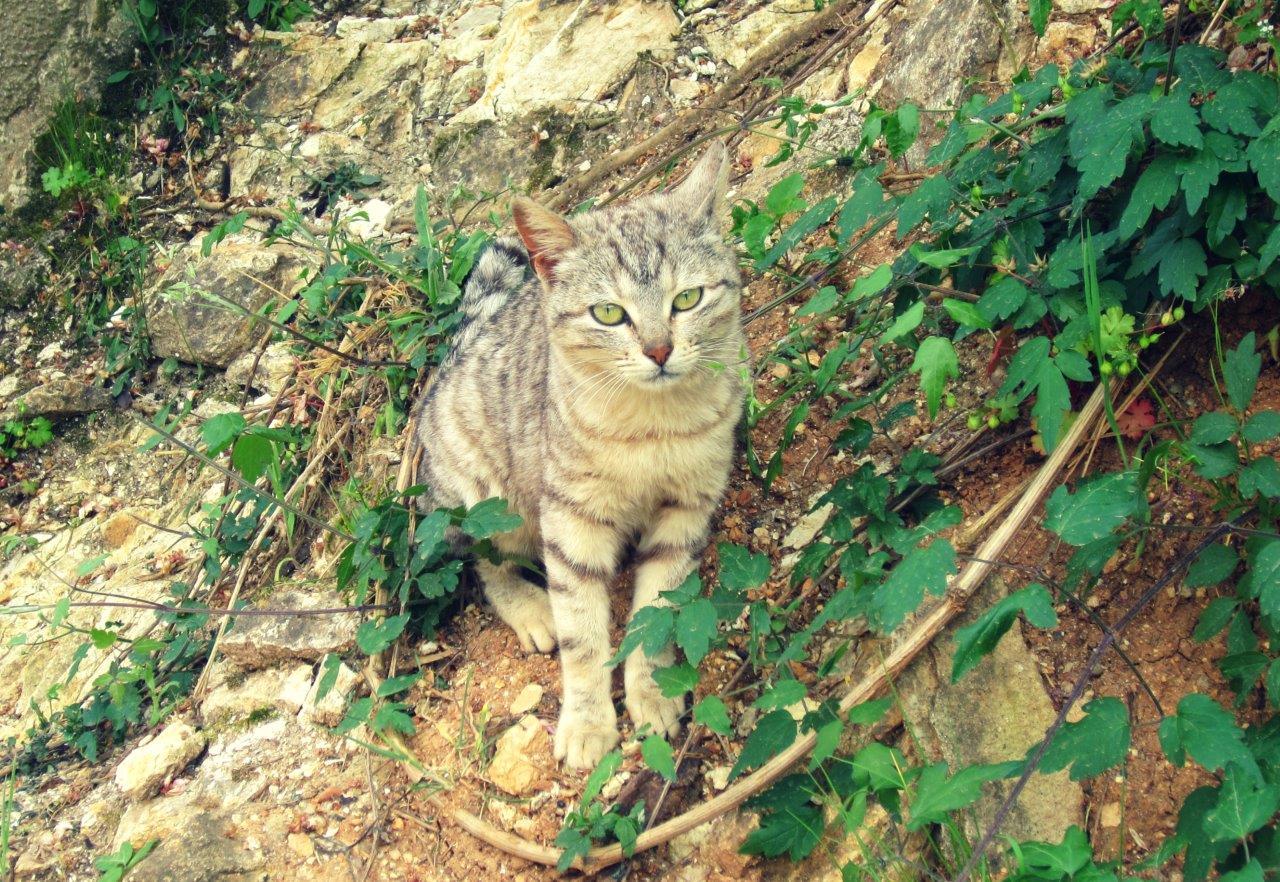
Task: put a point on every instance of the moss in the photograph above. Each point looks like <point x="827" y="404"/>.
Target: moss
<point x="565" y="140"/>
<point x="456" y="138"/>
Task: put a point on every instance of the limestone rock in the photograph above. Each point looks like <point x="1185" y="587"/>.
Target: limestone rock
<point x="278" y="689"/>
<point x="143" y="771"/>
<point x="522" y="753"/>
<point x="50" y="51"/>
<point x="202" y="853"/>
<point x="58" y="396"/>
<point x="272" y="370"/>
<point x="559" y="56"/>
<point x="164" y="817"/>
<point x="739" y="41"/>
<point x="258" y="641"/>
<point x="528" y="699"/>
<point x="189" y="310"/>
<point x="329" y="711"/>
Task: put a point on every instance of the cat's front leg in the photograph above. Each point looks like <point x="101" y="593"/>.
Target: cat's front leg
<point x="581" y="558"/>
<point x="667" y="553"/>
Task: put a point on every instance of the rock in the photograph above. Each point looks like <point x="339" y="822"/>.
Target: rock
<point x="149" y="766"/>
<point x="202" y="853"/>
<point x="521" y="756"/>
<point x="560" y="56"/>
<point x="58" y="396"/>
<point x="739" y="41"/>
<point x="51" y="50"/>
<point x="189" y="311"/>
<point x="808" y="527"/>
<point x="330" y="710"/>
<point x="118" y="529"/>
<point x="1065" y="40"/>
<point x="528" y="699"/>
<point x="277" y="364"/>
<point x="279" y="689"/>
<point x="1077" y="7"/>
<point x="995" y="713"/>
<point x="258" y="641"/>
<point x="301" y="845"/>
<point x="162" y="818"/>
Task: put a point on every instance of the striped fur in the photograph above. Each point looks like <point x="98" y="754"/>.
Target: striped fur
<point x="594" y="443"/>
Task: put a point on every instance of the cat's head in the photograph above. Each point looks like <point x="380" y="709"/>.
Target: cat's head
<point x="646" y="291"/>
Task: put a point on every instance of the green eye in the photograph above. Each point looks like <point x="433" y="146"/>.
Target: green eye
<point x="608" y="313"/>
<point x="687" y="299"/>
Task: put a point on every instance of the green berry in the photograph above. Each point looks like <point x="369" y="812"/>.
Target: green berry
<point x="1179" y="313"/>
<point x="1105" y="368"/>
<point x="1124" y="369"/>
<point x="975" y="422"/>
<point x="1167" y="318"/>
<point x="1144" y="341"/>
<point x="993" y="422"/>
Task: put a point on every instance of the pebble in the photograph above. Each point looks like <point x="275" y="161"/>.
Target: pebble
<point x="528" y="700"/>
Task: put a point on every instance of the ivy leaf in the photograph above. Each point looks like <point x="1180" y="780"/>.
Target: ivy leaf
<point x="922" y="569"/>
<point x="1210" y="734"/>
<point x="1093" y="744"/>
<point x="676" y="680"/>
<point x="1213" y="565"/>
<point x="936" y="362"/>
<point x="938" y="795"/>
<point x="1175" y="122"/>
<point x="773" y="734"/>
<point x="374" y="636"/>
<point x="489" y="517"/>
<point x="905" y="323"/>
<point x="1062" y="861"/>
<point x="1244" y="805"/>
<point x="1097" y="508"/>
<point x="974" y="642"/>
<point x="695" y="629"/>
<point x="712" y="713"/>
<point x="1240" y="371"/>
<point x="659" y="756"/>
<point x="740" y="570"/>
<point x="1181" y="267"/>
<point x="651" y="629"/>
<point x="1155" y="188"/>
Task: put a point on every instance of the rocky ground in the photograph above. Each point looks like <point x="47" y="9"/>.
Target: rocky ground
<point x="245" y="780"/>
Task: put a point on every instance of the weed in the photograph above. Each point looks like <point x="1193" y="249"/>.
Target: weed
<point x="114" y="867"/>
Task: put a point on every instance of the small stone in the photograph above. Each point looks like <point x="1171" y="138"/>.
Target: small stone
<point x="1110" y="815"/>
<point x="528" y="699"/>
<point x="808" y="527"/>
<point x="719" y="777"/>
<point x="301" y="845"/>
<point x="513" y="768"/>
<point x="270" y="371"/>
<point x="259" y="641"/>
<point x="144" y="770"/>
<point x="275" y="689"/>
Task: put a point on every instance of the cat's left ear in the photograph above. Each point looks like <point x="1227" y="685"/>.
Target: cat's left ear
<point x="704" y="189"/>
<point x="545" y="234"/>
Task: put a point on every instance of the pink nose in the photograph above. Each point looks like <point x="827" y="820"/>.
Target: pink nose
<point x="658" y="353"/>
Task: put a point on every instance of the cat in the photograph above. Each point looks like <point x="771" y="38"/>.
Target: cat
<point x="595" y="383"/>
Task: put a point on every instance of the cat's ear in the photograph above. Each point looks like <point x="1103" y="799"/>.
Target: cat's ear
<point x="546" y="234"/>
<point x="704" y="189"/>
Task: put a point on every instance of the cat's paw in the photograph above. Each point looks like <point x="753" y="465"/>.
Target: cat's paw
<point x="648" y="706"/>
<point x="533" y="624"/>
<point x="581" y="742"/>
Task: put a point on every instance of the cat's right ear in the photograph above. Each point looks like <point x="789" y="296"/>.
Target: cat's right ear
<point x="545" y="234"/>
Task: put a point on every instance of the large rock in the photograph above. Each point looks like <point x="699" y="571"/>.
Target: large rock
<point x="50" y="50"/>
<point x="737" y="42"/>
<point x="564" y="55"/>
<point x="58" y="396"/>
<point x="148" y="767"/>
<point x="196" y="310"/>
<point x="259" y="641"/>
<point x="996" y="712"/>
<point x="241" y="696"/>
<point x="202" y="853"/>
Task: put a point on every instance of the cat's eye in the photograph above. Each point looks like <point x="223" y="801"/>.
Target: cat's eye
<point x="687" y="299"/>
<point x="608" y="313"/>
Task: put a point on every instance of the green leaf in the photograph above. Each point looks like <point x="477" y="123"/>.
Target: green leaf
<point x="1181" y="267"/>
<point x="1265" y="573"/>
<point x="85" y="567"/>
<point x="1264" y="157"/>
<point x="931" y="198"/>
<point x="652" y="628"/>
<point x="1175" y="122"/>
<point x="376" y="635"/>
<point x="872" y="283"/>
<point x="773" y="734"/>
<point x="1215" y="617"/>
<point x="600" y="775"/>
<point x="489" y="517"/>
<point x="965" y="314"/>
<point x="905" y="323"/>
<point x="901" y="129"/>
<point x="1262" y="426"/>
<point x="975" y="641"/>
<point x="1053" y="402"/>
<point x="103" y="639"/>
<point x="782" y="694"/>
<point x="1093" y="744"/>
<point x="1213" y="461"/>
<point x="866" y="202"/>
<point x="659" y="756"/>
<point x="252" y="455"/>
<point x="941" y="258"/>
<point x="794" y="831"/>
<point x="1039" y="13"/>
<point x="1260" y="476"/>
<point x="938" y="795"/>
<point x="1203" y="729"/>
<point x="397" y="684"/>
<point x="923" y="569"/>
<point x="1213" y="428"/>
<point x="936" y="362"/>
<point x="826" y="742"/>
<point x="1231" y="109"/>
<point x="1097" y="508"/>
<point x="357" y="713"/>
<point x="1270" y="250"/>
<point x="695" y="628"/>
<point x="1226" y="209"/>
<point x="869" y="712"/>
<point x="883" y="766"/>
<point x="676" y="680"/>
<point x="1244" y="805"/>
<point x="740" y="570"/>
<point x="783" y="196"/>
<point x="1041" y="860"/>
<point x="796" y="233"/>
<point x="1240" y="372"/>
<point x="1198" y="174"/>
<point x="1154" y="190"/>
<point x="1213" y="565"/>
<point x="1002" y="298"/>
<point x="392" y="717"/>
<point x="219" y="431"/>
<point x="712" y="713"/>
<point x="823" y="300"/>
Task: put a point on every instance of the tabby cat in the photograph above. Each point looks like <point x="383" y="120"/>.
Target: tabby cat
<point x="599" y="395"/>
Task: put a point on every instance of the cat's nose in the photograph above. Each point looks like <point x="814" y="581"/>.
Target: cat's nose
<point x="658" y="353"/>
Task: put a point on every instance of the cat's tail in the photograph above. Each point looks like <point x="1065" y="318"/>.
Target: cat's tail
<point x="499" y="272"/>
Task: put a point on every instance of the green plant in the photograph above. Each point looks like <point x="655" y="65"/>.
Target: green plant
<point x="114" y="867"/>
<point x="19" y="434"/>
<point x="279" y="15"/>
